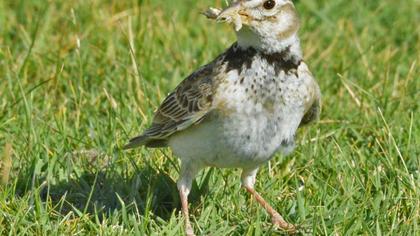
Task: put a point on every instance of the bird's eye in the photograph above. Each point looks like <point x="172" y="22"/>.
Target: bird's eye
<point x="269" y="4"/>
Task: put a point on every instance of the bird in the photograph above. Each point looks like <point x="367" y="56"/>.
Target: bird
<point x="243" y="107"/>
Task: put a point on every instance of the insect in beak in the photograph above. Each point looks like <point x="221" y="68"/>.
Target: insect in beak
<point x="231" y="15"/>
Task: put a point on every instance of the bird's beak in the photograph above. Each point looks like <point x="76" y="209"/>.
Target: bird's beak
<point x="232" y="15"/>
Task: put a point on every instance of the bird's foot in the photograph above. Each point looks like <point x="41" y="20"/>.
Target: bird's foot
<point x="279" y="222"/>
<point x="189" y="230"/>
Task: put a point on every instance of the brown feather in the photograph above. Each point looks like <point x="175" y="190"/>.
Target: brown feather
<point x="185" y="106"/>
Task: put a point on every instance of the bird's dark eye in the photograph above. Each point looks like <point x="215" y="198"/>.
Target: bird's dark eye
<point x="269" y="4"/>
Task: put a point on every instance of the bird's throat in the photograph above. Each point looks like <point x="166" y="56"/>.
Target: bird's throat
<point x="269" y="45"/>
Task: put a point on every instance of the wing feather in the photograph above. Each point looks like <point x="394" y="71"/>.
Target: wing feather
<point x="313" y="106"/>
<point x="187" y="105"/>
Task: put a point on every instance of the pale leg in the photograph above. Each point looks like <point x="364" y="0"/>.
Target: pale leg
<point x="184" y="187"/>
<point x="248" y="182"/>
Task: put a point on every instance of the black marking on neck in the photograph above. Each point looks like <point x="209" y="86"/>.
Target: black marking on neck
<point x="237" y="58"/>
<point x="283" y="61"/>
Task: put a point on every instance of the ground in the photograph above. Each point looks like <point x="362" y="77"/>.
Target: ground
<point x="79" y="78"/>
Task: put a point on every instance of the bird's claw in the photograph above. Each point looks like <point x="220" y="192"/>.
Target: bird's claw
<point x="279" y="222"/>
<point x="189" y="230"/>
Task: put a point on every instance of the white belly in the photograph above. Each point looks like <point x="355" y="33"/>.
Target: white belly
<point x="237" y="141"/>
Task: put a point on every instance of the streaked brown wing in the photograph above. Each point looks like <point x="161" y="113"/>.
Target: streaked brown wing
<point x="187" y="105"/>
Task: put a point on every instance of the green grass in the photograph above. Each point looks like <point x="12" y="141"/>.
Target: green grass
<point x="78" y="78"/>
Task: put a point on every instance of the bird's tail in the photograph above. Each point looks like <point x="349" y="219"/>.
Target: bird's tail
<point x="146" y="140"/>
<point x="137" y="142"/>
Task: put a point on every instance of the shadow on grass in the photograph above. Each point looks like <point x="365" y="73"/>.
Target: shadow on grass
<point x="101" y="189"/>
<point x="104" y="192"/>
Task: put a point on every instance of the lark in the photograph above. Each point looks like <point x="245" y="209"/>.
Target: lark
<point x="244" y="106"/>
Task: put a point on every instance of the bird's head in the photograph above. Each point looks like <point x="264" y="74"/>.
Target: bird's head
<point x="266" y="24"/>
